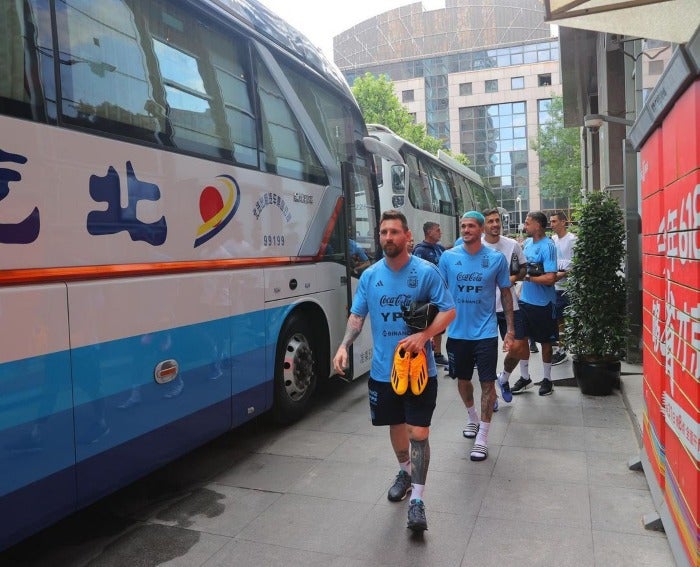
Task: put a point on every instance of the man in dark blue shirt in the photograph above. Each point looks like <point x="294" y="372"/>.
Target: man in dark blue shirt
<point x="431" y="250"/>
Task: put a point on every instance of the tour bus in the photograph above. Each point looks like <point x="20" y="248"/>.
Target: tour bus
<point x="440" y="189"/>
<point x="178" y="185"/>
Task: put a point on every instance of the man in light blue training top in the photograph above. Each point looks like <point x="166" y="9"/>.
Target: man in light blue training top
<point x="473" y="273"/>
<point x="396" y="281"/>
<point x="538" y="299"/>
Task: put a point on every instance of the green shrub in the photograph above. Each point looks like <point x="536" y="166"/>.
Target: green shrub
<point x="596" y="319"/>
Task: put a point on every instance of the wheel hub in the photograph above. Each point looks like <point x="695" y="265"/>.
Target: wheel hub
<point x="298" y="366"/>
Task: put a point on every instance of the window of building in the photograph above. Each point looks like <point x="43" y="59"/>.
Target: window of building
<point x="544" y="115"/>
<point x="656" y="67"/>
<point x="494" y="138"/>
<point x="407" y="96"/>
<point x="517" y="83"/>
<point x="465" y="89"/>
<point x="544" y="80"/>
<point x="491" y="86"/>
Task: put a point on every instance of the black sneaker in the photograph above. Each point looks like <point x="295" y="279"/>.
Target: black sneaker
<point x="558" y="358"/>
<point x="416" y="516"/>
<point x="520" y="385"/>
<point x="441" y="360"/>
<point x="401" y="487"/>
<point x="533" y="347"/>
<point x="546" y="387"/>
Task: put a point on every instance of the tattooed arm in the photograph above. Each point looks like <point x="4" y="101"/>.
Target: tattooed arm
<point x="352" y="331"/>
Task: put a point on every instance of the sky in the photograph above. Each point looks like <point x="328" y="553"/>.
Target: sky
<point x="320" y="20"/>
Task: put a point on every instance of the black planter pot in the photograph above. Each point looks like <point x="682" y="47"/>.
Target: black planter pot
<point x="597" y="378"/>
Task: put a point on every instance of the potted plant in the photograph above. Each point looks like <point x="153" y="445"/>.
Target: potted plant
<point x="596" y="329"/>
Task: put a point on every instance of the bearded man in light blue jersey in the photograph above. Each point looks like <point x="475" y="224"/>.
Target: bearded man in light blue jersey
<point x="538" y="299"/>
<point x="396" y="281"/>
<point x="473" y="273"/>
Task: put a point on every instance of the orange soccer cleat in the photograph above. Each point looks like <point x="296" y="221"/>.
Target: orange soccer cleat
<point x="400" y="371"/>
<point x="419" y="372"/>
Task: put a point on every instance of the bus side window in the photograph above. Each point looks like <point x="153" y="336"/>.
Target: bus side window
<point x="415" y="182"/>
<point x="426" y="196"/>
<point x="26" y="52"/>
<point x="287" y="152"/>
<point x="157" y="76"/>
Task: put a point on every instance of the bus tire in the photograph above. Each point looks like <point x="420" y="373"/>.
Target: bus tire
<point x="296" y="370"/>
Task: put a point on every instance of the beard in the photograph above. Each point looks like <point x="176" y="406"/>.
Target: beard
<point x="392" y="250"/>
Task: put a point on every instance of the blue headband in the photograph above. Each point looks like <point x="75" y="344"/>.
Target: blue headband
<point x="474" y="215"/>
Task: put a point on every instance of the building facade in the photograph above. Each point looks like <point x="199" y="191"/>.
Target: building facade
<point x="479" y="75"/>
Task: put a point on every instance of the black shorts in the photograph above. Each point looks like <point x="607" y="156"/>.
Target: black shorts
<point x="562" y="303"/>
<point x="463" y="355"/>
<point x="517" y="321"/>
<point x="540" y="322"/>
<point x="388" y="408"/>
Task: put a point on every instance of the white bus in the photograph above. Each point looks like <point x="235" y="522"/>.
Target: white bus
<point x="428" y="188"/>
<point x="177" y="181"/>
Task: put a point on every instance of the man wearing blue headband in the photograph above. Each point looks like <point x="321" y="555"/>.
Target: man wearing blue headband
<point x="473" y="273"/>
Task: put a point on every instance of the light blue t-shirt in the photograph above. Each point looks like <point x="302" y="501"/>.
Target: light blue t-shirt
<point x="382" y="292"/>
<point x="544" y="252"/>
<point x="472" y="280"/>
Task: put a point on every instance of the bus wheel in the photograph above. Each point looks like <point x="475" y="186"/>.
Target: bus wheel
<point x="295" y="370"/>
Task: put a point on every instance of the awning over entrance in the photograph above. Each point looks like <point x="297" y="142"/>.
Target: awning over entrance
<point x="667" y="20"/>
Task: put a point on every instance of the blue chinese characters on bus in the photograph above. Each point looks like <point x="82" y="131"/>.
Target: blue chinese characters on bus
<point x="27" y="230"/>
<point x="116" y="218"/>
<point x="218" y="204"/>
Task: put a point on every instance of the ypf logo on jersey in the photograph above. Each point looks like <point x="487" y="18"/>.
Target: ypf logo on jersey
<point x="471" y="280"/>
<point x="395" y="302"/>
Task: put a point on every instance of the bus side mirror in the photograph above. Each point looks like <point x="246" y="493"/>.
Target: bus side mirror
<point x="398" y="173"/>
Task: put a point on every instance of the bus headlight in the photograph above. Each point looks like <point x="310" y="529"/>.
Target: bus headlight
<point x="397" y="201"/>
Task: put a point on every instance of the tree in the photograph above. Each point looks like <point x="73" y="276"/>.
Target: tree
<point x="379" y="105"/>
<point x="559" y="149"/>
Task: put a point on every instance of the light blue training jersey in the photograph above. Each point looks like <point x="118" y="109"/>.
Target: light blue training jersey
<point x="382" y="292"/>
<point x="472" y="280"/>
<point x="543" y="252"/>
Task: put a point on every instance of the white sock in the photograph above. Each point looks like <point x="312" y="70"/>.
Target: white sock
<point x="406" y="467"/>
<point x="525" y="369"/>
<point x="473" y="416"/>
<point x="547" y="370"/>
<point x="417" y="492"/>
<point x="483" y="435"/>
<point x="504" y="376"/>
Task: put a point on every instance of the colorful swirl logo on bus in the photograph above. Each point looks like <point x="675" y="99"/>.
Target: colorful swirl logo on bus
<point x="217" y="212"/>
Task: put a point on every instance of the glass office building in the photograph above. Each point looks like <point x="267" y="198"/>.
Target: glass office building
<point x="480" y="77"/>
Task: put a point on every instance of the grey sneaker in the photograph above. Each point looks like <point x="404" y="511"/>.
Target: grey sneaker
<point x="520" y="385"/>
<point x="401" y="487"/>
<point x="416" y="516"/>
<point x="441" y="360"/>
<point x="558" y="357"/>
<point x="546" y="387"/>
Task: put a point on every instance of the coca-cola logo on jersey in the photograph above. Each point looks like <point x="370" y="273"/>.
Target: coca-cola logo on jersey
<point x="395" y="301"/>
<point x="472" y="277"/>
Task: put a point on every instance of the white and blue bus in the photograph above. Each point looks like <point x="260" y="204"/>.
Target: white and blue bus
<point x="428" y="188"/>
<point x="178" y="183"/>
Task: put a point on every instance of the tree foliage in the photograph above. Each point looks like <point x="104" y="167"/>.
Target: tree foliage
<point x="379" y="105"/>
<point x="559" y="149"/>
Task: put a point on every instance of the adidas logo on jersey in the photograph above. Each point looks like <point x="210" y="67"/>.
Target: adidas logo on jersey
<point x="380" y="283"/>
